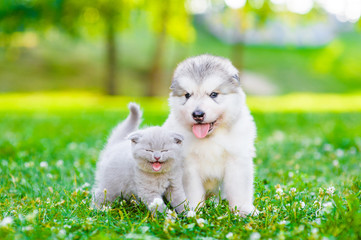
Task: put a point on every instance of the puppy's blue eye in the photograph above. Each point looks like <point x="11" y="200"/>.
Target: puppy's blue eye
<point x="187" y="95"/>
<point x="213" y="95"/>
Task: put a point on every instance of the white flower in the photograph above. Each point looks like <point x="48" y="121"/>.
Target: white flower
<point x="67" y="226"/>
<point x="6" y="221"/>
<point x="44" y="164"/>
<point x="191" y="214"/>
<point x="330" y="190"/>
<point x="105" y="208"/>
<point x="200" y="222"/>
<point x="59" y="163"/>
<point x="255" y="236"/>
<point x="321" y="191"/>
<point x="290" y="174"/>
<point x="279" y="191"/>
<point x="277" y="197"/>
<point x="293" y="190"/>
<point x="314" y="230"/>
<point x="29" y="164"/>
<point x="30" y="217"/>
<point x="318" y="221"/>
<point x="27" y="228"/>
<point x="327" y="207"/>
<point x="302" y="204"/>
<point x="229" y="235"/>
<point x="62" y="233"/>
<point x="171" y="215"/>
<point x="339" y="153"/>
<point x="327" y="147"/>
<point x="335" y="163"/>
<point x="283" y="222"/>
<point x="156" y="203"/>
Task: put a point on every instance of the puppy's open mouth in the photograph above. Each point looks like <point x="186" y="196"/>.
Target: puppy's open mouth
<point x="201" y="130"/>
<point x="156" y="166"/>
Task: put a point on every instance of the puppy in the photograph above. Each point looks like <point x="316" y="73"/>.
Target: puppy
<point x="208" y="107"/>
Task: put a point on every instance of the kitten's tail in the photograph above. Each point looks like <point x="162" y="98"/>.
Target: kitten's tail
<point x="130" y="124"/>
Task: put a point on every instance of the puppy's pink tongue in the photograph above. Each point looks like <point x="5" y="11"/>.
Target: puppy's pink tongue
<point x="201" y="130"/>
<point x="156" y="166"/>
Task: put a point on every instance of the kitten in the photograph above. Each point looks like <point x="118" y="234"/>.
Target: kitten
<point x="146" y="163"/>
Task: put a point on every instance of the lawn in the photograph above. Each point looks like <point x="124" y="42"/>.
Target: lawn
<point x="307" y="169"/>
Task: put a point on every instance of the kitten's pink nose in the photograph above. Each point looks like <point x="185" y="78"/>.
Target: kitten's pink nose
<point x="156" y="158"/>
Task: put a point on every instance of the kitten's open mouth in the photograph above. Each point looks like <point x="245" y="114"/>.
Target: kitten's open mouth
<point x="156" y="166"/>
<point x="201" y="130"/>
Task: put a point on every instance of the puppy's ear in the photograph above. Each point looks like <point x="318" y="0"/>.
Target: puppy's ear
<point x="178" y="139"/>
<point x="134" y="137"/>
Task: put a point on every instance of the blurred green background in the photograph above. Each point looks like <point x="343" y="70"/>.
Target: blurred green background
<point x="131" y="47"/>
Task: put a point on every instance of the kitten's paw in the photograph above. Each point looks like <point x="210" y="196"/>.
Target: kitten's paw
<point x="157" y="205"/>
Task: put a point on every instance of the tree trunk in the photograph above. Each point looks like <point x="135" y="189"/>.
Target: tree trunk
<point x="237" y="49"/>
<point x="155" y="73"/>
<point x="111" y="55"/>
<point x="237" y="55"/>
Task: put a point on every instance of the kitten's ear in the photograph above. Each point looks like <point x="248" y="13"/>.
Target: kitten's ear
<point x="178" y="139"/>
<point x="134" y="137"/>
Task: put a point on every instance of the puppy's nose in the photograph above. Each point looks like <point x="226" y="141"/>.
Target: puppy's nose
<point x="198" y="116"/>
<point x="156" y="158"/>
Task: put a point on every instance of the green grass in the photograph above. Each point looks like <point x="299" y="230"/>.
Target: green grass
<point x="47" y="169"/>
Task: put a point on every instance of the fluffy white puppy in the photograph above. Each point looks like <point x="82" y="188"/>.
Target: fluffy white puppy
<point x="208" y="107"/>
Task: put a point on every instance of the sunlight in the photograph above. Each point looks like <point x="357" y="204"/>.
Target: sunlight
<point x="300" y="7"/>
<point x="235" y="4"/>
<point x="88" y="101"/>
<point x="197" y="6"/>
<point x="345" y="11"/>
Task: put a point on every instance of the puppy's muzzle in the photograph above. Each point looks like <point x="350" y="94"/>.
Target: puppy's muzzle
<point x="198" y="116"/>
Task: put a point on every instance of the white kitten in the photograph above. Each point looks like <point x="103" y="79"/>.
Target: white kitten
<point x="146" y="163"/>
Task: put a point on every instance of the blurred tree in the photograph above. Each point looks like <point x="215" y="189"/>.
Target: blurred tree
<point x="98" y="17"/>
<point x="255" y="14"/>
<point x="167" y="18"/>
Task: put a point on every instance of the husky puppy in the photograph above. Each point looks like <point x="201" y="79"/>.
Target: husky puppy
<point x="145" y="164"/>
<point x="208" y="107"/>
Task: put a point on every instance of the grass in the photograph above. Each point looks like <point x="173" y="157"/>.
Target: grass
<point x="307" y="184"/>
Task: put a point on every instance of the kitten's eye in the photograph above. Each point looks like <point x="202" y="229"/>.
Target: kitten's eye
<point x="187" y="95"/>
<point x="148" y="150"/>
<point x="213" y="95"/>
<point x="164" y="151"/>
